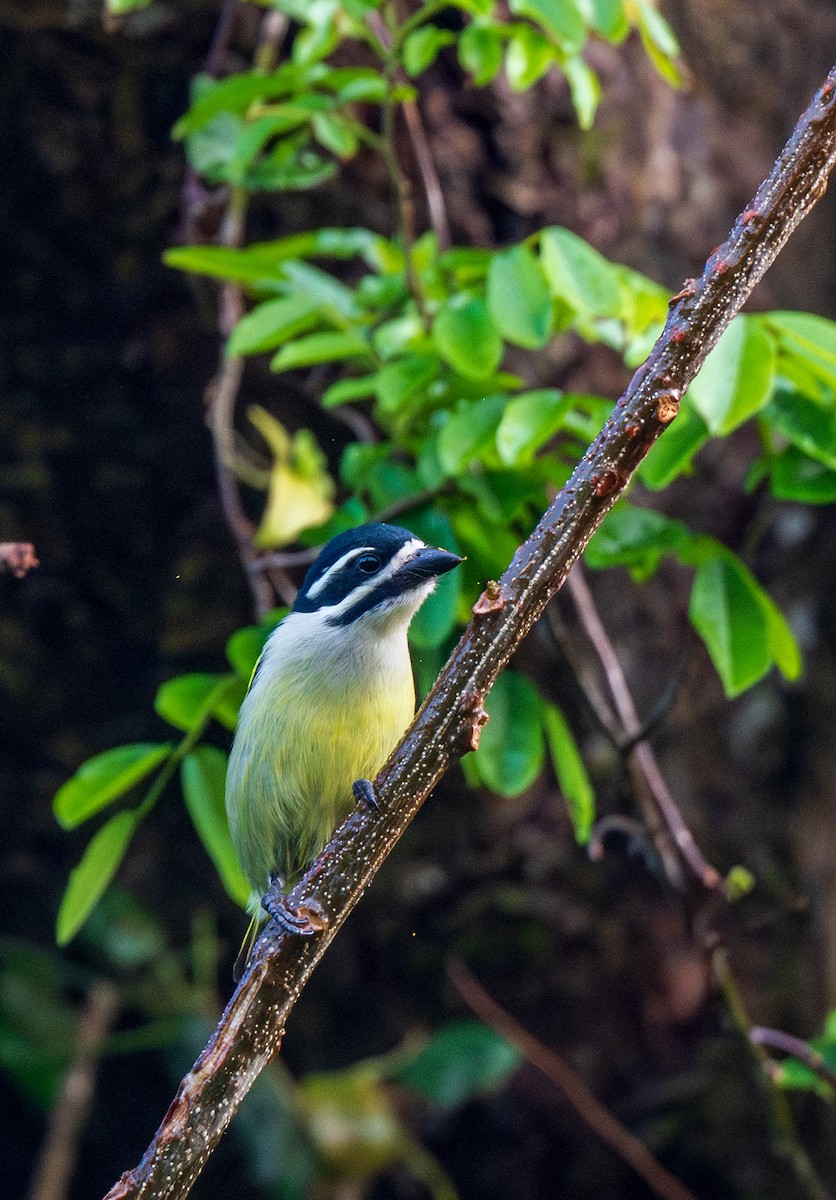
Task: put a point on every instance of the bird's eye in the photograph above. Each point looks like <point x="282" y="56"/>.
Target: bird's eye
<point x="368" y="563"/>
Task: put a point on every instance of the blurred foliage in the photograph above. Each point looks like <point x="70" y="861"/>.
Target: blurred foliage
<point x="466" y="450"/>
<point x="344" y="1126"/>
<point x="439" y="346"/>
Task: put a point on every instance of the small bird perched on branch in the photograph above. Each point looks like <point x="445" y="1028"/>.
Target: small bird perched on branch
<point x="329" y="698"/>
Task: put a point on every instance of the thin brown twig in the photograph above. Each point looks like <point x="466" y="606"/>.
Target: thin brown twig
<point x="648" y="781"/>
<point x="429" y="175"/>
<point x="433" y="194"/>
<point x="54" y="1170"/>
<point x="585" y="1103"/>
<point x="250" y="1031"/>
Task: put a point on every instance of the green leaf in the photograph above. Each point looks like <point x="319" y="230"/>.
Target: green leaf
<point x="436" y="618"/>
<point x="792" y="1075"/>
<point x="212" y="150"/>
<point x="528" y="422"/>
<point x="256" y="264"/>
<point x="740" y="625"/>
<point x="203" y="775"/>
<point x="477" y="8"/>
<point x="397" y="382"/>
<point x="578" y="275"/>
<point x="320" y="348"/>
<point x="643" y="313"/>
<point x="344" y="391"/>
<point x="236" y="93"/>
<point x="421" y="47"/>
<point x="465" y="337"/>
<point x="737" y="378"/>
<point x="511" y="748"/>
<point x="503" y="495"/>
<point x="794" y="476"/>
<point x="243" y="649"/>
<point x="609" y="19"/>
<point x="322" y="35"/>
<point x="263" y="262"/>
<point x="782" y="644"/>
<point x="462" y="1060"/>
<point x="271" y="323"/>
<point x="321" y="286"/>
<point x="186" y="701"/>
<point x="529" y="55"/>
<point x="480" y="52"/>
<point x="402" y="334"/>
<point x="804" y="423"/>
<point x="806" y="340"/>
<point x="104" y="778"/>
<point x="561" y="19"/>
<point x="225" y="710"/>
<point x="674" y="452"/>
<point x="518" y="298"/>
<point x="89" y="879"/>
<point x="291" y="165"/>
<point x="357" y="84"/>
<point x="659" y="41"/>
<point x="585" y="89"/>
<point x="252" y="138"/>
<point x="120" y="7"/>
<point x="335" y="133"/>
<point x="571" y="773"/>
<point x="637" y="538"/>
<point x="469" y="431"/>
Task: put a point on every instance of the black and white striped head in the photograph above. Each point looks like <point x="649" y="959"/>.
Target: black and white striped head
<point x="380" y="570"/>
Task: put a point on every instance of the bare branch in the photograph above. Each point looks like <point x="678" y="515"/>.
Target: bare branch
<point x="654" y="795"/>
<point x="448" y="725"/>
<point x="54" y="1170"/>
<point x="573" y="1086"/>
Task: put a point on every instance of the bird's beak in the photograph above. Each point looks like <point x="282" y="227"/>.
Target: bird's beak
<point x="428" y="562"/>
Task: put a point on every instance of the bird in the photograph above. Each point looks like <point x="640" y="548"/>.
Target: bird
<point x="329" y="698"/>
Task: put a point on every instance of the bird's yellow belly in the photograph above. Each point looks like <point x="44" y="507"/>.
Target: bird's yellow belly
<point x="290" y="784"/>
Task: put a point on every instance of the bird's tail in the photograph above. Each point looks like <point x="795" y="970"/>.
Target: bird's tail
<point x="246" y="947"/>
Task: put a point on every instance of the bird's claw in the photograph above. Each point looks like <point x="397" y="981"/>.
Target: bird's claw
<point x="305" y="921"/>
<point x="364" y="793"/>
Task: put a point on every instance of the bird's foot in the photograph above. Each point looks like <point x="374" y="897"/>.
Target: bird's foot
<point x="306" y="920"/>
<point x="364" y="793"/>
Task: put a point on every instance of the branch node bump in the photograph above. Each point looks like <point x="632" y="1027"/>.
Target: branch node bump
<point x="493" y="599"/>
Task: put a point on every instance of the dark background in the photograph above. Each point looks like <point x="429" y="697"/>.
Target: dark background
<point x="105" y="464"/>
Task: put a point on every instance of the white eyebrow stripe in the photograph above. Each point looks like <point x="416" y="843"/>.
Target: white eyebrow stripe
<point x="322" y="582"/>
<point x="407" y="551"/>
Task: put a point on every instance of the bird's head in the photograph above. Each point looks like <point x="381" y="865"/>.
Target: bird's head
<point x="380" y="574"/>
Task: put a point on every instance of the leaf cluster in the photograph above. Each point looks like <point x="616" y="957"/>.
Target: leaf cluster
<point x="438" y="345"/>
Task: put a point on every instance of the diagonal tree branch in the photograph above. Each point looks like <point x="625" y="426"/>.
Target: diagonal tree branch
<point x="448" y="725"/>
